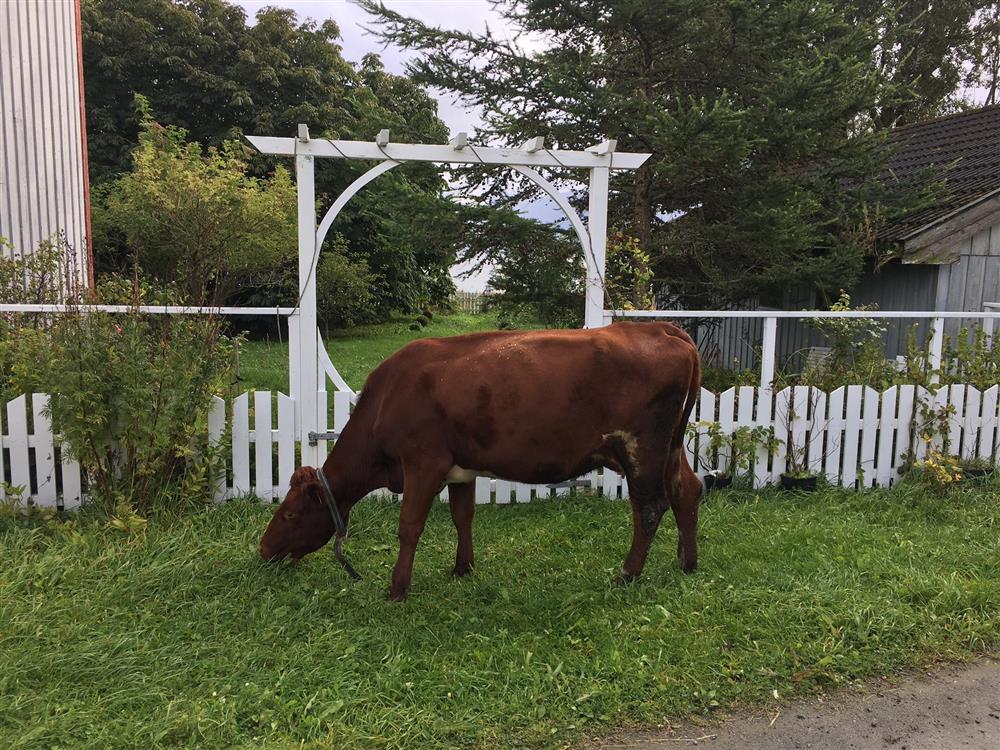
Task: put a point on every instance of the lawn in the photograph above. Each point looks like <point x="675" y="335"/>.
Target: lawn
<point x="182" y="637"/>
<point x="355" y="351"/>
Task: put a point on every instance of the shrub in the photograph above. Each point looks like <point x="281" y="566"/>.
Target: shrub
<point x="857" y="351"/>
<point x="130" y="393"/>
<point x="130" y="397"/>
<point x="627" y="274"/>
<point x="343" y="287"/>
<point x="197" y="219"/>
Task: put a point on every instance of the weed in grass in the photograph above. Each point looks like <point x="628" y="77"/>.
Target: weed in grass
<point x="182" y="637"/>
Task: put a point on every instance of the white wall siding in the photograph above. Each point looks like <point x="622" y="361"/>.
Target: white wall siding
<point x="42" y="152"/>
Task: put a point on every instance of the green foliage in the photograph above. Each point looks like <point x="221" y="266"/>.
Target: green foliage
<point x="923" y="49"/>
<point x="343" y="287"/>
<point x="29" y="278"/>
<point x="538" y="277"/>
<point x="205" y="70"/>
<point x="130" y="396"/>
<point x="42" y="275"/>
<point x="130" y="393"/>
<point x="857" y="351"/>
<point x="733" y="452"/>
<point x="627" y="274"/>
<point x="536" y="649"/>
<point x="758" y="116"/>
<point x="971" y="358"/>
<point x="196" y="220"/>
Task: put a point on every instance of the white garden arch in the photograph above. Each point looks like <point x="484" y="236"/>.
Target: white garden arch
<point x="308" y="362"/>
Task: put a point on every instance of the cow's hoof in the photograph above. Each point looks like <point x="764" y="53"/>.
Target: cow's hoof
<point x="397" y="596"/>
<point x="461" y="570"/>
<point x="689" y="567"/>
<point x="624" y="579"/>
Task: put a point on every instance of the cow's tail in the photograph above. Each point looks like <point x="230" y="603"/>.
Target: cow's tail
<point x="694" y="386"/>
<point x="676" y="448"/>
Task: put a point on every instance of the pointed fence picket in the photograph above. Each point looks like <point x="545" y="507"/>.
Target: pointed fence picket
<point x="854" y="436"/>
<point x="834" y="435"/>
<point x="906" y="400"/>
<point x="988" y="424"/>
<point x="32" y="464"/>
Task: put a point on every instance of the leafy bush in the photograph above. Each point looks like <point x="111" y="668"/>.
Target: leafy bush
<point x="541" y="282"/>
<point x="857" y="351"/>
<point x="343" y="287"/>
<point x="130" y="396"/>
<point x="627" y="274"/>
<point x="194" y="219"/>
<point x="130" y="393"/>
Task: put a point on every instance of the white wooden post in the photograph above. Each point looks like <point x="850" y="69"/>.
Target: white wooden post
<point x="294" y="327"/>
<point x="597" y="221"/>
<point x="767" y="352"/>
<point x="305" y="399"/>
<point x="989" y="323"/>
<point x="937" y="344"/>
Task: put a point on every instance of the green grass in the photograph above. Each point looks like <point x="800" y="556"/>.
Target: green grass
<point x="184" y="638"/>
<point x="355" y="351"/>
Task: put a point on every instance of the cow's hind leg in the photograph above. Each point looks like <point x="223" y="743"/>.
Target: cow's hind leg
<point x="685" y="497"/>
<point x="420" y="484"/>
<point x="462" y="500"/>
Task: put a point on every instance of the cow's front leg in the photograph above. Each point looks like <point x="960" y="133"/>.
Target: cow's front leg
<point x="420" y="485"/>
<point x="462" y="500"/>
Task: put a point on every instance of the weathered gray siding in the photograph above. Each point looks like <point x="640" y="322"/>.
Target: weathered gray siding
<point x="974" y="278"/>
<point x="42" y="151"/>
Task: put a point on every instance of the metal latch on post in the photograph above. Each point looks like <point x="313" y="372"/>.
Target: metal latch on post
<point x="315" y="437"/>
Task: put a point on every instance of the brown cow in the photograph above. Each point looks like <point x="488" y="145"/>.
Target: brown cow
<point x="528" y="406"/>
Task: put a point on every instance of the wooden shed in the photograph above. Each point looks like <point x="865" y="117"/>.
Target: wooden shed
<point x="949" y="253"/>
<point x="43" y="138"/>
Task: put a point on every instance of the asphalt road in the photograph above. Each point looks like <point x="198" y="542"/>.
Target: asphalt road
<point x="948" y="708"/>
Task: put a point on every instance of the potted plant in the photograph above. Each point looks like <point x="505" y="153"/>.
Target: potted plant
<point x="798" y="475"/>
<point x="734" y="452"/>
<point x="976" y="467"/>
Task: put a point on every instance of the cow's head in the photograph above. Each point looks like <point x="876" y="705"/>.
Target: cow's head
<point x="302" y="523"/>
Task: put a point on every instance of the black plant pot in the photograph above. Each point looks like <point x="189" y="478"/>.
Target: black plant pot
<point x="717" y="481"/>
<point x="803" y="484"/>
<point x="975" y="471"/>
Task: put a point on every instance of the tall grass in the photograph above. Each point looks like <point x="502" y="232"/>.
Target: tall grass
<point x="182" y="637"/>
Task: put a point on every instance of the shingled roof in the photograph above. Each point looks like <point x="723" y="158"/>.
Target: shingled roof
<point x="966" y="149"/>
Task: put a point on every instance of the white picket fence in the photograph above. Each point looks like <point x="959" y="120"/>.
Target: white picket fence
<point x="855" y="436"/>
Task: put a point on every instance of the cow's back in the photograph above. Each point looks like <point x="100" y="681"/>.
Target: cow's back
<point x="505" y="402"/>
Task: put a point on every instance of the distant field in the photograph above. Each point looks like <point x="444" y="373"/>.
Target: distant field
<point x="355" y="351"/>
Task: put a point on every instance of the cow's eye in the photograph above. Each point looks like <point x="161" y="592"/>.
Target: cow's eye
<point x="289" y="515"/>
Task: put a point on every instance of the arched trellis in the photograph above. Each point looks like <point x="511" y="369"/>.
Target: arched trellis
<point x="307" y="357"/>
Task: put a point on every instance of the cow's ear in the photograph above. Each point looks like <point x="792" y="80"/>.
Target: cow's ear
<point x="302" y="475"/>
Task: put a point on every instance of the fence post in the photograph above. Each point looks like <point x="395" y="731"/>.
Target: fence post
<point x="767" y="352"/>
<point x="937" y="344"/>
<point x="293" y="359"/>
<point x="308" y="257"/>
<point x="988" y="323"/>
<point x="597" y="228"/>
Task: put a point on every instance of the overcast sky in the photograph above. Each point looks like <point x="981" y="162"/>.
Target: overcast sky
<point x="465" y="15"/>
